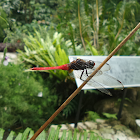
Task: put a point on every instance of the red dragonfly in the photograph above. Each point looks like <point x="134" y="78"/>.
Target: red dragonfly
<point x="82" y="69"/>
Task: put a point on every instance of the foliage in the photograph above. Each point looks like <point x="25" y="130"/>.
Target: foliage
<point x="46" y="52"/>
<point x="27" y="11"/>
<point x="17" y="32"/>
<point x="20" y="104"/>
<point x="110" y="116"/>
<point x="70" y="108"/>
<point x="23" y="16"/>
<point x="27" y="134"/>
<point x="53" y="134"/>
<point x="126" y="100"/>
<point x="91" y="115"/>
<point x="107" y="24"/>
<point x="72" y="135"/>
<point x="104" y="24"/>
<point x="118" y="27"/>
<point x="63" y="89"/>
<point x="3" y="23"/>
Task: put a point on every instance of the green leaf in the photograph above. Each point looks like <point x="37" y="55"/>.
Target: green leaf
<point x="108" y="115"/>
<point x="57" y="133"/>
<point x="30" y="61"/>
<point x="63" y="135"/>
<point x="42" y="136"/>
<point x="1" y="133"/>
<point x="92" y="115"/>
<point x="128" y="100"/>
<point x="92" y="49"/>
<point x="51" y="134"/>
<point x="11" y="135"/>
<point x="25" y="134"/>
<point x="69" y="135"/>
<point x="40" y="61"/>
<point x="75" y="134"/>
<point x="31" y="134"/>
<point x="85" y="135"/>
<point x="19" y="136"/>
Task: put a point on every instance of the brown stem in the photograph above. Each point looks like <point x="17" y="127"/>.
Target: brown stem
<point x="97" y="19"/>
<point x="79" y="89"/>
<point x="94" y="27"/>
<point x="80" y="26"/>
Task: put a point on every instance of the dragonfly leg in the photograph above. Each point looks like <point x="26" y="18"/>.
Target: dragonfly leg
<point x="86" y="73"/>
<point x="81" y="74"/>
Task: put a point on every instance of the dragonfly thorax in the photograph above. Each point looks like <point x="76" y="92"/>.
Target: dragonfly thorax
<point x="80" y="64"/>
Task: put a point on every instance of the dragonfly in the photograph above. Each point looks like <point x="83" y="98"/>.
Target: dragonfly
<point x="82" y="70"/>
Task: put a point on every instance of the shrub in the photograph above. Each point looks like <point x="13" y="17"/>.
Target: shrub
<point x="19" y="104"/>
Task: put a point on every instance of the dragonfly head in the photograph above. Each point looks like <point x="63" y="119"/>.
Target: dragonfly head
<point x="90" y="64"/>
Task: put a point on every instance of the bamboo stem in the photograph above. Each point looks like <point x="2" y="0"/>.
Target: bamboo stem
<point x="79" y="89"/>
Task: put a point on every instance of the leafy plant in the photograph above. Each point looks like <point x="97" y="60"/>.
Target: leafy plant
<point x="72" y="135"/>
<point x="103" y="24"/>
<point x="106" y="33"/>
<point x="27" y="11"/>
<point x="53" y="134"/>
<point x="20" y="105"/>
<point x="24" y="16"/>
<point x="26" y="135"/>
<point x="18" y="31"/>
<point x="91" y="115"/>
<point x="45" y="52"/>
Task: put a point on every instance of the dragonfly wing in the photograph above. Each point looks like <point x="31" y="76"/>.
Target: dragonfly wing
<point x="109" y="81"/>
<point x="89" y="71"/>
<point x="77" y="73"/>
<point x="97" y="85"/>
<point x="106" y="66"/>
<point x="92" y="82"/>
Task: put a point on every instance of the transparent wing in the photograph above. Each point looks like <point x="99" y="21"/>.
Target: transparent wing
<point x="92" y="82"/>
<point x="109" y="81"/>
<point x="98" y="86"/>
<point x="100" y="77"/>
<point x="89" y="71"/>
<point x="106" y="66"/>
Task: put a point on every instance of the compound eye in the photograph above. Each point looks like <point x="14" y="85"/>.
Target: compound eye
<point x="91" y="63"/>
